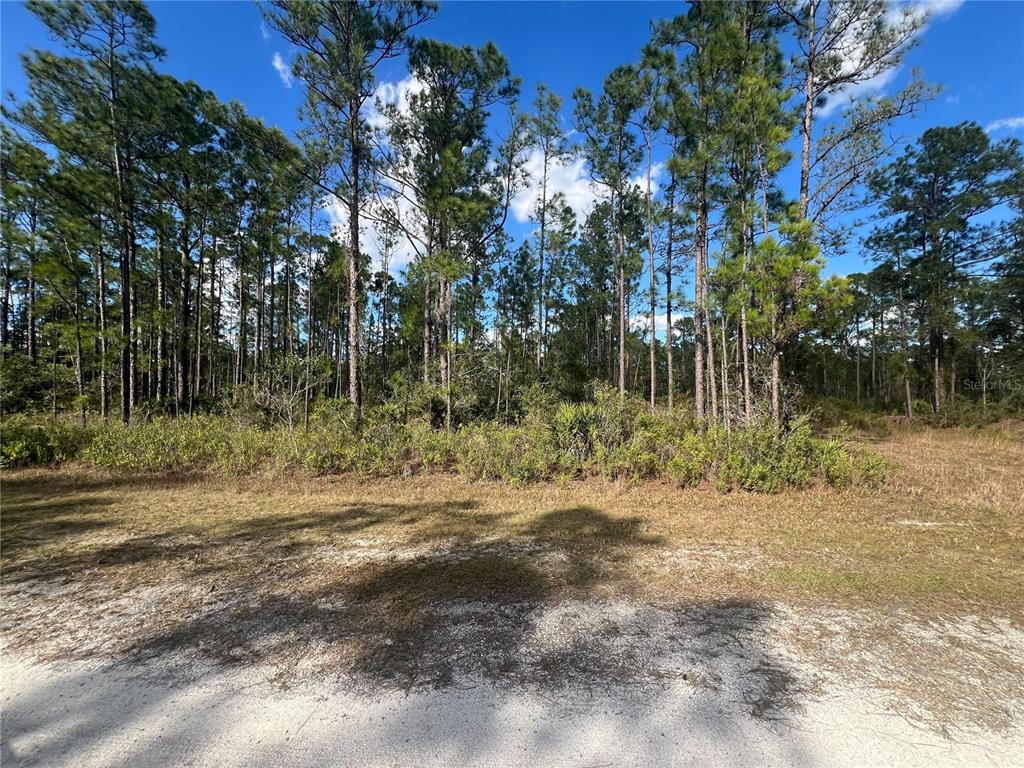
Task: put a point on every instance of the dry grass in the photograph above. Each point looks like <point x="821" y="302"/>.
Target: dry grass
<point x="431" y="580"/>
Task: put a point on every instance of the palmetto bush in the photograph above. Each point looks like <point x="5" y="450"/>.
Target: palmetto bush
<point x="574" y="427"/>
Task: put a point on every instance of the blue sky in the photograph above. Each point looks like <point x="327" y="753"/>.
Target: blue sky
<point x="975" y="50"/>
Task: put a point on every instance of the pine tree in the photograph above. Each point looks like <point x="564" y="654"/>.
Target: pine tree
<point x="937" y="195"/>
<point x="613" y="153"/>
<point x="341" y="46"/>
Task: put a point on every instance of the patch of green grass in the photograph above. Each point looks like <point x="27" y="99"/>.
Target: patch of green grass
<point x="895" y="583"/>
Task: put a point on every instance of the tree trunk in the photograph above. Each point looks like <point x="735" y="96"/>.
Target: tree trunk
<point x="310" y="315"/>
<point x="710" y="332"/>
<point x="354" y="299"/>
<point x="197" y="329"/>
<point x="445" y="313"/>
<point x="214" y="326"/>
<point x="807" y="123"/>
<point x="540" y="280"/>
<point x="653" y="296"/>
<point x="620" y="285"/>
<point x="120" y="172"/>
<point x="243" y="309"/>
<point x="856" y="370"/>
<point x="183" y="360"/>
<point x="426" y="327"/>
<point x="776" y="374"/>
<point x="903" y="337"/>
<point x="699" y="244"/>
<point x="161" y="306"/>
<point x="5" y="300"/>
<point x="668" y="292"/>
<point x="33" y="342"/>
<point x="744" y="342"/>
<point x="101" y="321"/>
<point x="874" y="360"/>
<point x="725" y="376"/>
<point x="271" y="338"/>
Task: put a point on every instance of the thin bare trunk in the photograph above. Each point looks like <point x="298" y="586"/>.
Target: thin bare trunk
<point x="354" y="296"/>
<point x="725" y="377"/>
<point x="653" y="284"/>
<point x="668" y="292"/>
<point x="426" y="328"/>
<point x="541" y="297"/>
<point x="807" y="123"/>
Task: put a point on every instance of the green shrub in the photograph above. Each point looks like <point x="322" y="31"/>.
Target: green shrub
<point x="648" y="451"/>
<point x="493" y="452"/>
<point x="617" y="418"/>
<point x="238" y="451"/>
<point x="574" y="428"/>
<point x="164" y="444"/>
<point x="963" y="412"/>
<point x="634" y="460"/>
<point x="835" y="463"/>
<point x="25" y="442"/>
<point x="616" y="437"/>
<point x="870" y="469"/>
<point x="324" y="452"/>
<point x="430" y="449"/>
<point x="693" y="459"/>
<point x="336" y="414"/>
<point x="766" y="458"/>
<point x="382" y="449"/>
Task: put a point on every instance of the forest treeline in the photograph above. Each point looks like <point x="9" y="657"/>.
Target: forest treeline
<point x="165" y="253"/>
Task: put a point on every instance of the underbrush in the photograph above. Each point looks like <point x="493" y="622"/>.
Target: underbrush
<point x="612" y="437"/>
<point x="26" y="442"/>
<point x="961" y="412"/>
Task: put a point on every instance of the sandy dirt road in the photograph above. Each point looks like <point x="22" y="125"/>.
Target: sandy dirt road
<point x="731" y="705"/>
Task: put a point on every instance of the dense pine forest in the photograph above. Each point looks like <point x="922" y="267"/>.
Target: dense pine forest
<point x="165" y="254"/>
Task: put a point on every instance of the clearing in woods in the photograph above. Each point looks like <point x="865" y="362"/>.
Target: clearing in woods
<point x="549" y="623"/>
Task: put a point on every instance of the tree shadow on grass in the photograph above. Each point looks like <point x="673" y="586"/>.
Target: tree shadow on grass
<point x="466" y="597"/>
<point x="28" y="524"/>
<point x="350" y="518"/>
<point x="590" y="526"/>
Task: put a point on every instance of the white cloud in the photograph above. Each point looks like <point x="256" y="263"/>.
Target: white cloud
<point x="369" y="239"/>
<point x="264" y="32"/>
<point x="900" y="13"/>
<point x="391" y="94"/>
<point x="568" y="176"/>
<point x="387" y="94"/>
<point x="1005" y="124"/>
<point x="640" y="180"/>
<point x="284" y="71"/>
<point x="938" y="8"/>
<point x="641" y="323"/>
<point x="851" y="92"/>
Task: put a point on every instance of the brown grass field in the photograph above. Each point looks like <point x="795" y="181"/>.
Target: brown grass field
<point x="415" y="581"/>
